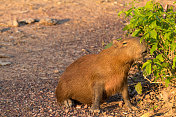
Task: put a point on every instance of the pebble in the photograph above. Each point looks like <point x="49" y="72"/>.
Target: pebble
<point x="2" y="63"/>
<point x="50" y="110"/>
<point x="115" y="2"/>
<point x="48" y="21"/>
<point x="78" y="106"/>
<point x="86" y="106"/>
<point x="30" y="21"/>
<point x="59" y="3"/>
<point x="148" y="114"/>
<point x="56" y="71"/>
<point x="5" y="56"/>
<point x="13" y="23"/>
<point x="125" y="113"/>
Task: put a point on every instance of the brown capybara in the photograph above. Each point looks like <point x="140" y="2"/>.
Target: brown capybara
<point x="93" y="78"/>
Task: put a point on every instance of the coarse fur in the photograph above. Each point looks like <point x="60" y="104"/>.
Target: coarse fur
<point x="93" y="78"/>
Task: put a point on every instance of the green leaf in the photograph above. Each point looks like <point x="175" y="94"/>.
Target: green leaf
<point x="136" y="32"/>
<point x="149" y="5"/>
<point x="142" y="38"/>
<point x="153" y="34"/>
<point x="138" y="88"/>
<point x="147" y="66"/>
<point x="146" y="63"/>
<point x="120" y="13"/>
<point x="159" y="33"/>
<point x="165" y="65"/>
<point x="167" y="82"/>
<point x="153" y="24"/>
<point x="129" y="12"/>
<point x="158" y="18"/>
<point x="146" y="35"/>
<point x="167" y="35"/>
<point x="174" y="62"/>
<point x="108" y="45"/>
<point x="148" y="69"/>
<point x="154" y="47"/>
<point x="173" y="46"/>
<point x="159" y="57"/>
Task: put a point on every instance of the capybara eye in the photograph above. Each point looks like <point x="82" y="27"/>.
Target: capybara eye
<point x="124" y="43"/>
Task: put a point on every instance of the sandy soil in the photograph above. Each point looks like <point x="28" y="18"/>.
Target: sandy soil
<point x="36" y="54"/>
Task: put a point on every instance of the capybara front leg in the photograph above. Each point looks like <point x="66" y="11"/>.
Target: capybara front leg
<point x="97" y="97"/>
<point x="126" y="96"/>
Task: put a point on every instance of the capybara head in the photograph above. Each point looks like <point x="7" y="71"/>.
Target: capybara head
<point x="130" y="48"/>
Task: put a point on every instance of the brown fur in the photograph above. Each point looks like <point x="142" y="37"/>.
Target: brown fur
<point x="93" y="78"/>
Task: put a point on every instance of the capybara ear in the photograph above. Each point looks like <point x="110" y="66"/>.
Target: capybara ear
<point x="115" y="43"/>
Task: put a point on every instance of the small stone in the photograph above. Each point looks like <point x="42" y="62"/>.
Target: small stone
<point x="56" y="71"/>
<point x="59" y="3"/>
<point x="121" y="4"/>
<point x="2" y="63"/>
<point x="48" y="21"/>
<point x="86" y="106"/>
<point x="147" y="96"/>
<point x="125" y="113"/>
<point x="78" y="106"/>
<point x="95" y="111"/>
<point x="44" y="77"/>
<point x="115" y="3"/>
<point x="104" y="113"/>
<point x="148" y="114"/>
<point x="5" y="56"/>
<point x="30" y="21"/>
<point x="50" y="110"/>
<point x="15" y="23"/>
<point x="66" y="110"/>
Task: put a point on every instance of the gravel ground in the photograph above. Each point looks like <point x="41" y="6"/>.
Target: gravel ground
<point x="38" y="55"/>
<point x="28" y="84"/>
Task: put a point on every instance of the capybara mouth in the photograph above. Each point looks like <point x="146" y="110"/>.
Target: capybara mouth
<point x="144" y="53"/>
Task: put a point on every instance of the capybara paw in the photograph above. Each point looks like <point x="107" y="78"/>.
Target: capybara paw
<point x="95" y="110"/>
<point x="68" y="103"/>
<point x="134" y="108"/>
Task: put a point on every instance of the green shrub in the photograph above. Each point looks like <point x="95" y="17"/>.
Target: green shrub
<point x="158" y="29"/>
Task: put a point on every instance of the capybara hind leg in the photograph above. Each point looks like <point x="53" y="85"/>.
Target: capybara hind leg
<point x="68" y="103"/>
<point x="97" y="97"/>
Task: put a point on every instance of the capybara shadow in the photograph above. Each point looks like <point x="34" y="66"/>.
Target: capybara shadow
<point x="93" y="78"/>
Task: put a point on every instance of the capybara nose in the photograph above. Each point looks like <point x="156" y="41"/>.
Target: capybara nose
<point x="144" y="52"/>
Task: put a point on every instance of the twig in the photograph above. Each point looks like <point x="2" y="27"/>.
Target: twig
<point x="165" y="10"/>
<point x="152" y="82"/>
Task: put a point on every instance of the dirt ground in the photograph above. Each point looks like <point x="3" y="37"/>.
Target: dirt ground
<point x="34" y="54"/>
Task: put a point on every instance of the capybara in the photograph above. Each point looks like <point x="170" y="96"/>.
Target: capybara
<point x="93" y="78"/>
